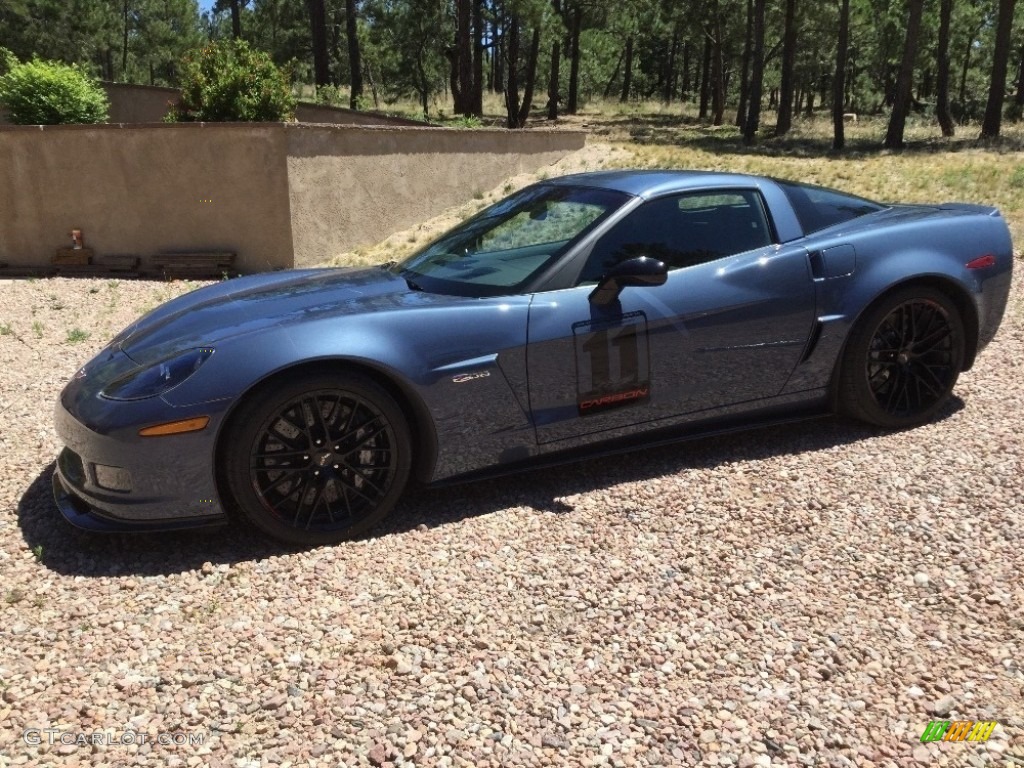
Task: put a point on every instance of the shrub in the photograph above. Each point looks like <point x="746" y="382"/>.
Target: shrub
<point x="7" y="60"/>
<point x="50" y="93"/>
<point x="227" y="81"/>
<point x="329" y="95"/>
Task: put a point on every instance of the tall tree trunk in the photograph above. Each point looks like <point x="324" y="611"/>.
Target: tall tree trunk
<point x="477" y="95"/>
<point x="924" y="90"/>
<point x="498" y="55"/>
<point x="905" y="78"/>
<point x="756" y="76"/>
<point x="531" y="79"/>
<point x="627" y="75"/>
<point x="236" y="18"/>
<point x="668" y="86"/>
<point x="615" y="76"/>
<point x="423" y="85"/>
<point x="463" y="58"/>
<point x="1018" y="97"/>
<point x="553" y="76"/>
<point x="512" y="63"/>
<point x="963" y="73"/>
<point x="839" y="81"/>
<point x="334" y="27"/>
<point x="553" y="73"/>
<point x="942" y="77"/>
<point x="318" y="27"/>
<point x="355" y="64"/>
<point x="785" y="118"/>
<point x="705" y="79"/>
<point x="684" y="95"/>
<point x="124" y="46"/>
<point x="574" y="57"/>
<point x="717" y="74"/>
<point x="741" y="111"/>
<point x="452" y="54"/>
<point x="1000" y="59"/>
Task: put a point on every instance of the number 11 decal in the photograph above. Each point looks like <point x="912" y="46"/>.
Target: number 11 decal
<point x="612" y="363"/>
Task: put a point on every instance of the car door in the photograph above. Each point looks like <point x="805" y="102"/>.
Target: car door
<point x="728" y="326"/>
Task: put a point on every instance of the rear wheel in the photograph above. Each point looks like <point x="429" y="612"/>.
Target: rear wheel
<point x="318" y="460"/>
<point x="903" y="359"/>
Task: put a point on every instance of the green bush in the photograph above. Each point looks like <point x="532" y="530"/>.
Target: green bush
<point x="7" y="60"/>
<point x="50" y="93"/>
<point x="227" y="81"/>
<point x="329" y="96"/>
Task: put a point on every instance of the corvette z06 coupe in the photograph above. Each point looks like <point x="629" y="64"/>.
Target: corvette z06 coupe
<point x="582" y="313"/>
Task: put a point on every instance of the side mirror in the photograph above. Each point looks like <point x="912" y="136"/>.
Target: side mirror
<point x="638" y="271"/>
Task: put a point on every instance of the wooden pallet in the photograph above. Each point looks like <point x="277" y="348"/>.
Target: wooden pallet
<point x="119" y="263"/>
<point x="207" y="264"/>
<point x="22" y="270"/>
<point x="77" y="257"/>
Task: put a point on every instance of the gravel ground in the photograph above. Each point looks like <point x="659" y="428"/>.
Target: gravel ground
<point x="806" y="595"/>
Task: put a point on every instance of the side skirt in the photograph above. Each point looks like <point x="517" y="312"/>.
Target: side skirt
<point x="815" y="408"/>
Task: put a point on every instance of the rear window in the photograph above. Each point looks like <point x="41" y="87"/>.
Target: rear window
<point x="817" y="207"/>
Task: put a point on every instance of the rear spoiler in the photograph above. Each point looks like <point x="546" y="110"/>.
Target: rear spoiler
<point x="986" y="210"/>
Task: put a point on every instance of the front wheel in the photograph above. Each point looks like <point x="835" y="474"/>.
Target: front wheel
<point x="902" y="359"/>
<point x="318" y="460"/>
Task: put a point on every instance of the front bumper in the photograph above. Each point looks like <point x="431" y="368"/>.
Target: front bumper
<point x="169" y="483"/>
<point x="77" y="512"/>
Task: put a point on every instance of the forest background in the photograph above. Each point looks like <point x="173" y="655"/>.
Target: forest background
<point x="752" y="64"/>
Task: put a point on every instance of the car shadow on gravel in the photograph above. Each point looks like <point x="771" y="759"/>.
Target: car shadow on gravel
<point x="67" y="550"/>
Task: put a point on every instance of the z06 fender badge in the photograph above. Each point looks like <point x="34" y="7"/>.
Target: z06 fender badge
<point x="462" y="378"/>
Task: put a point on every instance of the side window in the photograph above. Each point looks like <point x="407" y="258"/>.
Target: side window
<point x="684" y="230"/>
<point x="817" y="207"/>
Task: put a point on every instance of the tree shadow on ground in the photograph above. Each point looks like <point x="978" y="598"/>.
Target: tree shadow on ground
<point x="69" y="551"/>
<point x="684" y="131"/>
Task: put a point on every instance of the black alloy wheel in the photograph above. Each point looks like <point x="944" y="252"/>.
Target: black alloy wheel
<point x="903" y="359"/>
<point x="319" y="460"/>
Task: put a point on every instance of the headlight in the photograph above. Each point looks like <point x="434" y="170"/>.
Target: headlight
<point x="157" y="378"/>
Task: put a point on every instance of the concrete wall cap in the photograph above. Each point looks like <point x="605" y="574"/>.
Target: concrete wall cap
<point x="297" y="126"/>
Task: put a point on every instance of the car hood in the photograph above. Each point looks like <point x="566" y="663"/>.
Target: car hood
<point x="244" y="305"/>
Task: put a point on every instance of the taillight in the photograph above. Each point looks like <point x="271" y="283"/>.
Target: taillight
<point x="988" y="260"/>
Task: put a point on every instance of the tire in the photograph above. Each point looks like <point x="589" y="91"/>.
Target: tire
<point x="902" y="359"/>
<point x="317" y="460"/>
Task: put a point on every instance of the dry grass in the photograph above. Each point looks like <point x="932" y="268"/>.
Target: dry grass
<point x="931" y="169"/>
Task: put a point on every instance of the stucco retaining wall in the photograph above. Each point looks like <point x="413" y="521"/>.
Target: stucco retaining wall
<point x="146" y="190"/>
<point x="139" y="103"/>
<point x="353" y="187"/>
<point x="276" y="194"/>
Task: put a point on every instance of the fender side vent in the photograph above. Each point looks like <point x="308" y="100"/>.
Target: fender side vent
<point x="812" y="342"/>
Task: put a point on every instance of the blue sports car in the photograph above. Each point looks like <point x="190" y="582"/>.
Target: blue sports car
<point x="596" y="310"/>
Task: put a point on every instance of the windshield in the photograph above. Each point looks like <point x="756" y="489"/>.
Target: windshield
<point x="502" y="248"/>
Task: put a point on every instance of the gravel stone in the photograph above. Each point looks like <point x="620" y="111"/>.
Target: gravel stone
<point x="807" y="595"/>
<point x="943" y="706"/>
